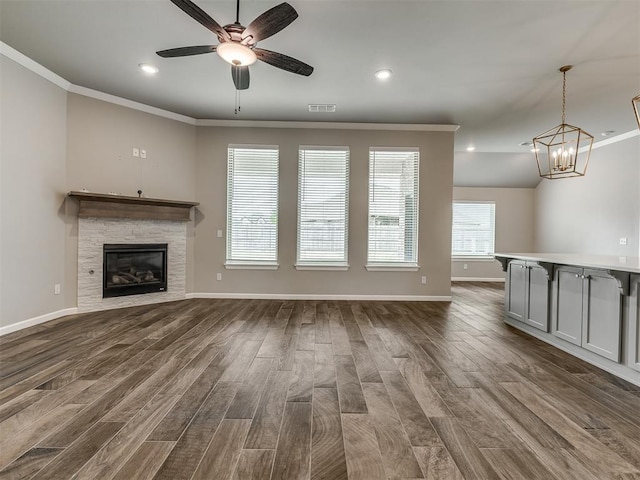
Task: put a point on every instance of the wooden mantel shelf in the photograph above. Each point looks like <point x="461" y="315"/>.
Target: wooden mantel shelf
<point x="141" y="208"/>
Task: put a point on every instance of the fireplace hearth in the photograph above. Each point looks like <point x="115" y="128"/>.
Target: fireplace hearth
<point x="133" y="269"/>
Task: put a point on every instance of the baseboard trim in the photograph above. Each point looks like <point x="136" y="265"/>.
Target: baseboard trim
<point x="303" y="296"/>
<point x="476" y="279"/>
<point x="30" y="322"/>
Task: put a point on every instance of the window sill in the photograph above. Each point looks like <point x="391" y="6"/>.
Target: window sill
<point x="472" y="258"/>
<point x="250" y="266"/>
<point x="410" y="267"/>
<point x="335" y="268"/>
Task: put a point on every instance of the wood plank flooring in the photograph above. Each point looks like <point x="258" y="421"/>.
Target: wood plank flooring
<point x="308" y="390"/>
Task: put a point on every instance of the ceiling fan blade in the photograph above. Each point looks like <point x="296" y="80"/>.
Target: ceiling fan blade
<point x="186" y="51"/>
<point x="240" y="77"/>
<point x="284" y="62"/>
<point x="270" y="22"/>
<point x="199" y="15"/>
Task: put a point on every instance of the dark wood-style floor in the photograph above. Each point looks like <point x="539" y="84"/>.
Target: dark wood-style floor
<point x="255" y="389"/>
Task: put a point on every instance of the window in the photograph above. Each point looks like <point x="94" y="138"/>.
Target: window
<point x="473" y="229"/>
<point x="252" y="205"/>
<point x="393" y="207"/>
<point x="323" y="198"/>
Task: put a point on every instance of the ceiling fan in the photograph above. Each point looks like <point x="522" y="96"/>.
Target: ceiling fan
<point x="237" y="44"/>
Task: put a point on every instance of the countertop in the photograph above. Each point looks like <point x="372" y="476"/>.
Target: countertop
<point x="607" y="262"/>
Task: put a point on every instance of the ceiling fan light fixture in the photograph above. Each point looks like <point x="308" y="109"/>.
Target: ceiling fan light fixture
<point x="236" y="53"/>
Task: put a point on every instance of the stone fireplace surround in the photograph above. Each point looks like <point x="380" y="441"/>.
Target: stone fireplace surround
<point x="111" y="224"/>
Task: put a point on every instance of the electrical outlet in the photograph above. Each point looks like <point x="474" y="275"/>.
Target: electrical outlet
<point x="465" y="266"/>
<point x="219" y="233"/>
<point x="56" y="289"/>
<point x="218" y="276"/>
<point x="136" y="152"/>
<point x="423" y="280"/>
<point x="623" y="240"/>
<point x="143" y="154"/>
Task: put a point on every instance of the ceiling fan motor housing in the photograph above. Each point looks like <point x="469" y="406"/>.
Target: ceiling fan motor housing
<point x="235" y="31"/>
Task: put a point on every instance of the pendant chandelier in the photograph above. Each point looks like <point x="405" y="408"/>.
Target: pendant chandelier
<point x="564" y="150"/>
<point x="636" y="108"/>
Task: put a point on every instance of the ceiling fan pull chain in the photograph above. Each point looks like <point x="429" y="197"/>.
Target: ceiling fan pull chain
<point x="237" y="107"/>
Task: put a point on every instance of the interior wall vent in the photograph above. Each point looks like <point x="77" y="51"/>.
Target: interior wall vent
<point x="322" y="107"/>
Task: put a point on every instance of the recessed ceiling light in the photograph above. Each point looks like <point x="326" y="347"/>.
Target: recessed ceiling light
<point x="146" y="68"/>
<point x="471" y="148"/>
<point x="607" y="133"/>
<point x="383" y="74"/>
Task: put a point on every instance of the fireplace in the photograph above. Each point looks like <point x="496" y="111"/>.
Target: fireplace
<point x="133" y="269"/>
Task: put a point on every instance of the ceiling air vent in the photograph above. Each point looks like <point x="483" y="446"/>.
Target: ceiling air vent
<point x="322" y="107"/>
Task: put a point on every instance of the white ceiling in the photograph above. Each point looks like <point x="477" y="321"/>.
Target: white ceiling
<point x="489" y="66"/>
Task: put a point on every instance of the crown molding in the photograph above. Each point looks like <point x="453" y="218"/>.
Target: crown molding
<point x="47" y="74"/>
<point x="44" y="72"/>
<point x="124" y="102"/>
<point x="416" y="127"/>
<point x="616" y="139"/>
<point x="21" y="59"/>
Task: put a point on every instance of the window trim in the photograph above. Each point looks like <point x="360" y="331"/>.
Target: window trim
<point x="373" y="266"/>
<point x="336" y="265"/>
<point x="390" y="267"/>
<point x="249" y="265"/>
<point x="253" y="264"/>
<point x="470" y="257"/>
<point x="332" y="267"/>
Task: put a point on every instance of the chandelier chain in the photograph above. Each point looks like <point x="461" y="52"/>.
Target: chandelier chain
<point x="564" y="94"/>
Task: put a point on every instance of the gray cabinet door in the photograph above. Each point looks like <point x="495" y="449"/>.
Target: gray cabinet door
<point x="567" y="304"/>
<point x="538" y="297"/>
<point x="633" y="343"/>
<point x="602" y="314"/>
<point x="516" y="290"/>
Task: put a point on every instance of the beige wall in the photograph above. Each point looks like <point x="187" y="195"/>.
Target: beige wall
<point x="436" y="174"/>
<point x="101" y="137"/>
<point x="54" y="142"/>
<point x="32" y="192"/>
<point x="514" y="227"/>
<point x="591" y="213"/>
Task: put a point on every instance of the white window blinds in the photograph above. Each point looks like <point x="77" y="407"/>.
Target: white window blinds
<point x="252" y="204"/>
<point x="393" y="206"/>
<point x="473" y="230"/>
<point x="323" y="199"/>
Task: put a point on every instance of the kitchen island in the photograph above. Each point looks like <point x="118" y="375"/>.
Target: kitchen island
<point x="586" y="305"/>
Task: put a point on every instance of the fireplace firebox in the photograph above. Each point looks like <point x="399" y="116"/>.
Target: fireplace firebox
<point x="133" y="269"/>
